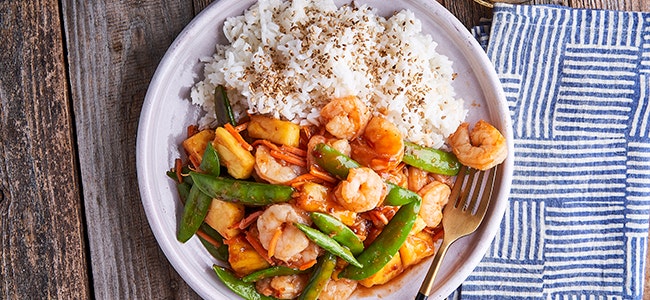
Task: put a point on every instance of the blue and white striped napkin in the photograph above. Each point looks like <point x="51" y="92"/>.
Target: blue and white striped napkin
<point x="578" y="84"/>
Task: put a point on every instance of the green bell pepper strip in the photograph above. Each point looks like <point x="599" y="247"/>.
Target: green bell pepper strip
<point x="245" y="192"/>
<point x="271" y="272"/>
<point x="338" y="231"/>
<point x="210" y="161"/>
<point x="430" y="160"/>
<point x="245" y="290"/>
<point x="319" y="278"/>
<point x="328" y="244"/>
<point x="339" y="165"/>
<point x="195" y="209"/>
<point x="386" y="245"/>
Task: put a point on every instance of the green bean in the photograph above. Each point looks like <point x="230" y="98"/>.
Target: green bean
<point x="245" y="192"/>
<point x="195" y="210"/>
<point x="245" y="290"/>
<point x="210" y="161"/>
<point x="430" y="160"/>
<point x="319" y="278"/>
<point x="338" y="231"/>
<point x="271" y="272"/>
<point x="328" y="244"/>
<point x="386" y="245"/>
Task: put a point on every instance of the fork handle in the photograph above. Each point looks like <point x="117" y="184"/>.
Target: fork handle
<point x="427" y="284"/>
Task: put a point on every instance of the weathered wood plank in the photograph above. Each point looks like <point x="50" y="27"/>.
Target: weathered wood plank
<point x="42" y="248"/>
<point x="114" y="49"/>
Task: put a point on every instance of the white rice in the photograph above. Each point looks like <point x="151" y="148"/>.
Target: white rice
<point x="289" y="58"/>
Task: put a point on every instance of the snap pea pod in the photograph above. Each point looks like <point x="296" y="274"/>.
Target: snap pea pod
<point x="245" y="290"/>
<point x="319" y="278"/>
<point x="221" y="252"/>
<point x="430" y="159"/>
<point x="398" y="196"/>
<point x="328" y="244"/>
<point x="210" y="161"/>
<point x="195" y="209"/>
<point x="222" y="107"/>
<point x="338" y="231"/>
<point x="339" y="165"/>
<point x="386" y="245"/>
<point x="245" y="192"/>
<point x="272" y="271"/>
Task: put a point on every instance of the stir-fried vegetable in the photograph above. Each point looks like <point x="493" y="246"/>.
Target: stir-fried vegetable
<point x="244" y="289"/>
<point x="245" y="192"/>
<point x="386" y="245"/>
<point x="338" y="231"/>
<point x="320" y="277"/>
<point x="195" y="210"/>
<point x="430" y="160"/>
<point x="271" y="272"/>
<point x="328" y="244"/>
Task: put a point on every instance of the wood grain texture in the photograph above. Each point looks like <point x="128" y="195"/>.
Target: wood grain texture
<point x="114" y="49"/>
<point x="42" y="248"/>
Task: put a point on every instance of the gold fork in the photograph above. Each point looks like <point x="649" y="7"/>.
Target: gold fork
<point x="462" y="215"/>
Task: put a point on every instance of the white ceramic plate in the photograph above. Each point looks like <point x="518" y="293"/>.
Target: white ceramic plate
<point x="167" y="112"/>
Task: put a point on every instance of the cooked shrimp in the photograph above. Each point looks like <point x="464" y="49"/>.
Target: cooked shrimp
<point x="345" y="118"/>
<point x="282" y="287"/>
<point x="339" y="289"/>
<point x="483" y="148"/>
<point x="273" y="170"/>
<point x="417" y="178"/>
<point x="362" y="191"/>
<point x="434" y="196"/>
<point x="381" y="146"/>
<point x="291" y="241"/>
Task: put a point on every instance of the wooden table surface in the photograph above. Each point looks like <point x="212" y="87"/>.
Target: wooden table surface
<point x="73" y="76"/>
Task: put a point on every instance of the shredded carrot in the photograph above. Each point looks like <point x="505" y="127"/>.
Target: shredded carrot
<point x="195" y="161"/>
<point x="244" y="223"/>
<point x="209" y="239"/>
<point x="266" y="143"/>
<point x="258" y="247"/>
<point x="178" y="168"/>
<point x="303" y="178"/>
<point x="192" y="130"/>
<point x="274" y="241"/>
<point x="307" y="265"/>
<point x="238" y="136"/>
<point x="288" y="157"/>
<point x="322" y="175"/>
<point x="293" y="150"/>
<point x="241" y="127"/>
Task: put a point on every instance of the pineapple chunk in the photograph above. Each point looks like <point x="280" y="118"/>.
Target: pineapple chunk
<point x="243" y="258"/>
<point x="313" y="197"/>
<point x="238" y="161"/>
<point x="224" y="216"/>
<point x="388" y="272"/>
<point x="416" y="248"/>
<point x="196" y="144"/>
<point x="274" y="130"/>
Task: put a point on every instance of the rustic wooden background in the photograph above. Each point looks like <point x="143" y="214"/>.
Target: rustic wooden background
<point x="73" y="75"/>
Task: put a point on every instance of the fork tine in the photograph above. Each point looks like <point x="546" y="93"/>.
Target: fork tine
<point x="458" y="184"/>
<point x="464" y="197"/>
<point x="478" y="178"/>
<point x="487" y="192"/>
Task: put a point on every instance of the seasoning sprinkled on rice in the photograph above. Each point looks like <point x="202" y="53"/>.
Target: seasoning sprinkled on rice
<point x="287" y="59"/>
